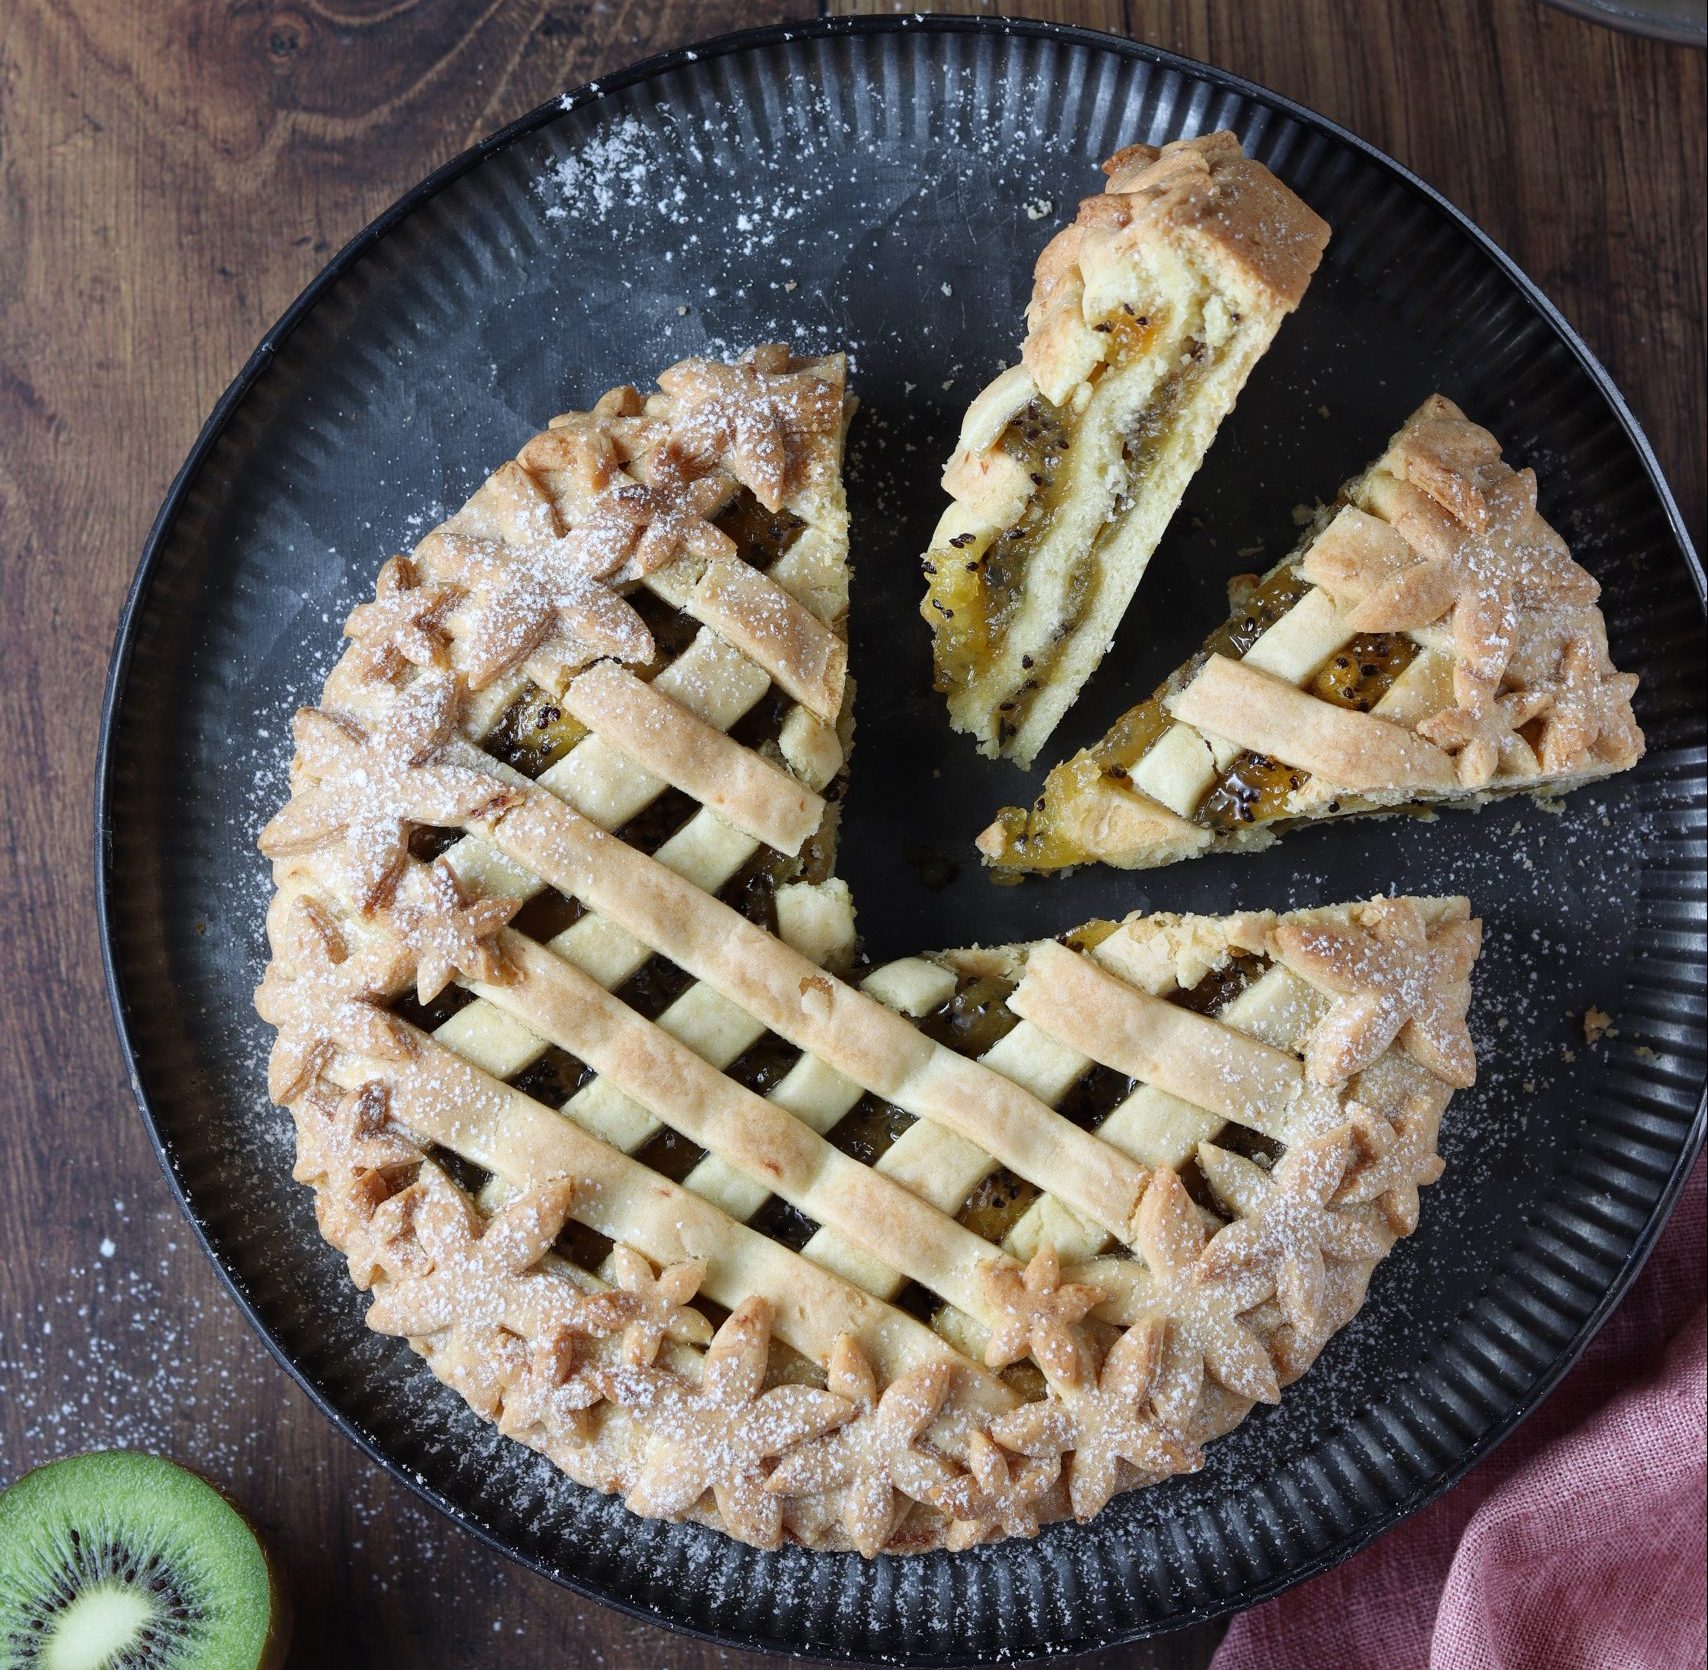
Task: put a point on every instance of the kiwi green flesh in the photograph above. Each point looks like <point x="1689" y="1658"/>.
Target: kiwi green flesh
<point x="118" y="1561"/>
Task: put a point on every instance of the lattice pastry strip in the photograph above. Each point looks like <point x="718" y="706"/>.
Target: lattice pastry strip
<point x="501" y="1129"/>
<point x="591" y="778"/>
<point x="439" y="1098"/>
<point x="1158" y="1128"/>
<point x="1432" y="640"/>
<point x="871" y="1429"/>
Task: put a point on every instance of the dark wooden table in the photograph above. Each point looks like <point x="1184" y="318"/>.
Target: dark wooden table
<point x="170" y="176"/>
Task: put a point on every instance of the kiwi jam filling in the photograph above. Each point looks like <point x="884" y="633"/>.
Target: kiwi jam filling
<point x="969" y="1022"/>
<point x="1254" y="789"/>
<point x="1219" y="987"/>
<point x="976" y="595"/>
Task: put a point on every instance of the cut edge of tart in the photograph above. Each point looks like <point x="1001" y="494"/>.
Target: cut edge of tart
<point x="1430" y="642"/>
<point x="606" y="1115"/>
<point x="1147" y="316"/>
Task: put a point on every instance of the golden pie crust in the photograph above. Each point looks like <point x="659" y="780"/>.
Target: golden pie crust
<point x="1431" y="642"/>
<point x="603" y="1110"/>
<point x="1147" y="315"/>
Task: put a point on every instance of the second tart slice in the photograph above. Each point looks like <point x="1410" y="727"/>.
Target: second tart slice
<point x="1431" y="641"/>
<point x="1147" y="316"/>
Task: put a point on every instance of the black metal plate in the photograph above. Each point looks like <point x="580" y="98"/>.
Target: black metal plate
<point x="873" y="185"/>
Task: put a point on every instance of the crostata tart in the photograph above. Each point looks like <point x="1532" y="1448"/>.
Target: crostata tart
<point x="609" y="1118"/>
<point x="1430" y="642"/>
<point x="1147" y="316"/>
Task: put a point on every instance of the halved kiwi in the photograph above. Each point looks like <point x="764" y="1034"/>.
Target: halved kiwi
<point x="118" y="1561"/>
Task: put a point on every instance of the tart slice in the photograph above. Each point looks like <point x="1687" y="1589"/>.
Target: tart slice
<point x="1147" y="316"/>
<point x="1430" y="642"/>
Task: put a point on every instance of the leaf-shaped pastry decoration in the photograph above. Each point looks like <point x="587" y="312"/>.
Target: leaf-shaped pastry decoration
<point x="1105" y="1419"/>
<point x="359" y="790"/>
<point x="763" y="419"/>
<point x="444" y="932"/>
<point x="719" y="1435"/>
<point x="1396" y="981"/>
<point x="872" y="1465"/>
<point x="1035" y="1313"/>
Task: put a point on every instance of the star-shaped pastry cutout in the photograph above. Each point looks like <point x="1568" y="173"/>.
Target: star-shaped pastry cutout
<point x="360" y="791"/>
<point x="1035" y="1313"/>
<point x="1493" y="557"/>
<point x="1205" y="1334"/>
<point x="622" y="526"/>
<point x="351" y="1134"/>
<point x="1000" y="1495"/>
<point x="478" y="1262"/>
<point x="1589" y="717"/>
<point x="636" y="528"/>
<point x="580" y="454"/>
<point x="658" y="1304"/>
<point x="872" y="1462"/>
<point x="1286" y="1226"/>
<point x="404" y="626"/>
<point x="561" y="1384"/>
<point x="460" y="1306"/>
<point x="577" y="456"/>
<point x="1394" y="982"/>
<point x="1104" y="1419"/>
<point x="320" y="998"/>
<point x="1393" y="1158"/>
<point x="757" y="418"/>
<point x="543" y="600"/>
<point x="1484" y="739"/>
<point x="445" y="932"/>
<point x="720" y="1435"/>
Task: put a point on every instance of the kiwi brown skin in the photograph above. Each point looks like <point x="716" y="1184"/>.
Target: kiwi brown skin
<point x="174" y="1502"/>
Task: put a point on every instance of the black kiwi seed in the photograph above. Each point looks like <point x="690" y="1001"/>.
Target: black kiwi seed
<point x="117" y="1561"/>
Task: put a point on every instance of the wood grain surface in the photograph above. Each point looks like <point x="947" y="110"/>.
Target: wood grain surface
<point x="170" y="176"/>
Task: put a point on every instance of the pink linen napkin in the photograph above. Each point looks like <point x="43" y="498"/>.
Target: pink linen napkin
<point x="1579" y="1543"/>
